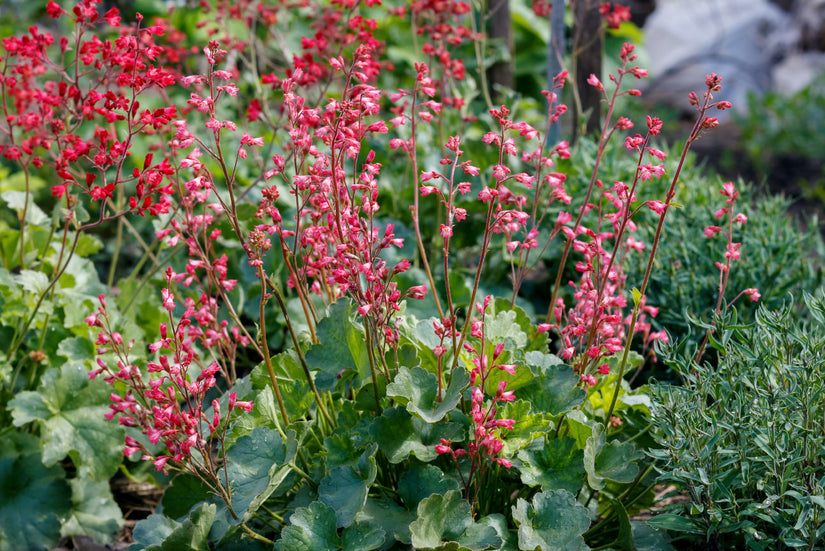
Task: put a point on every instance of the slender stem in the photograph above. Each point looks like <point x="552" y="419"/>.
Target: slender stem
<point x="415" y="210"/>
<point x="607" y="132"/>
<point x="25" y="327"/>
<point x="373" y="374"/>
<point x="319" y="403"/>
<point x="255" y="535"/>
<point x="23" y="215"/>
<point x="694" y="134"/>
<point x="310" y="319"/>
<point x="265" y="347"/>
<point x="479" y="46"/>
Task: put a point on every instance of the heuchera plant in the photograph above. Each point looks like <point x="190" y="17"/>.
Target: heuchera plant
<point x="308" y="386"/>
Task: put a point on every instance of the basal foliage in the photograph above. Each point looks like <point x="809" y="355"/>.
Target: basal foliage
<point x="289" y="258"/>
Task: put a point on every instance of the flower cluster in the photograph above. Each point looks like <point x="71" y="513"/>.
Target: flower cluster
<point x="732" y="247"/>
<point x="445" y="25"/>
<point x="486" y="442"/>
<point x="614" y="14"/>
<point x="168" y="403"/>
<point x="337" y="243"/>
<point x="594" y="327"/>
<point x="81" y="115"/>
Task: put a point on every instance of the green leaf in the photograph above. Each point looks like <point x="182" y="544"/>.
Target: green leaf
<point x="256" y="465"/>
<point x="601" y="395"/>
<point x="17" y="182"/>
<point x="675" y="523"/>
<point x="637" y="296"/>
<point x="624" y="539"/>
<point x="609" y="460"/>
<point x="345" y="488"/>
<point x="70" y="409"/>
<point x="310" y="528"/>
<point x="32" y="281"/>
<point x="349" y="439"/>
<point x="393" y="519"/>
<point x="94" y="512"/>
<point x="400" y="434"/>
<point x="522" y="378"/>
<point x="503" y="328"/>
<point x="150" y="532"/>
<point x="536" y="341"/>
<point x="34" y="500"/>
<point x="526" y="428"/>
<point x="185" y="491"/>
<point x="579" y="426"/>
<point x="556" y="389"/>
<point x="555" y="465"/>
<point x="647" y="538"/>
<point x="422" y="481"/>
<point x="448" y="518"/>
<point x="418" y="389"/>
<point x="79" y="349"/>
<point x="551" y="521"/>
<point x="363" y="536"/>
<point x="34" y="214"/>
<point x="341" y="348"/>
<point x="509" y="541"/>
<point x="14" y="443"/>
<point x="78" y="289"/>
<point x="193" y="533"/>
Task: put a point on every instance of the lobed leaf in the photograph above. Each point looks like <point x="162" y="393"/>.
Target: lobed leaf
<point x="345" y="488"/>
<point x="70" y="408"/>
<point x="556" y="389"/>
<point x="256" y="465"/>
<point x="35" y="498"/>
<point x="400" y="434"/>
<point x="555" y="465"/>
<point x="448" y="519"/>
<point x="418" y="390"/>
<point x="551" y="521"/>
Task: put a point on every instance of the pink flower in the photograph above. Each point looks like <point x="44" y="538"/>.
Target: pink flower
<point x="53" y="10"/>
<point x="624" y="124"/>
<point x="728" y="190"/>
<point x="487" y="194"/>
<point x="417" y="292"/>
<point x="444" y="447"/>
<point x="753" y="294"/>
<point x="168" y="299"/>
<point x="654" y="124"/>
<point x="247" y="139"/>
<point x="650" y="171"/>
<point x="657" y="206"/>
<point x="509" y="368"/>
<point x="594" y="81"/>
<point x="710" y="231"/>
<point x="732" y="251"/>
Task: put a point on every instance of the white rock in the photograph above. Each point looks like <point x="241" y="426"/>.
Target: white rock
<point x="797" y="71"/>
<point x="738" y="39"/>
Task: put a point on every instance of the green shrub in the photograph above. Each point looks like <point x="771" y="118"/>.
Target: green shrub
<point x="745" y="440"/>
